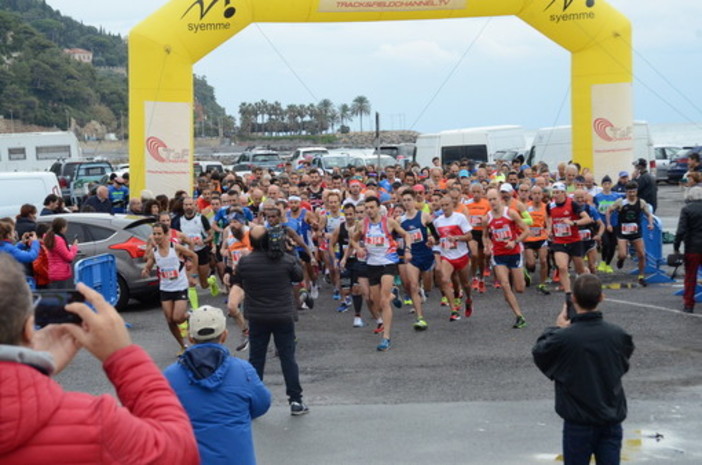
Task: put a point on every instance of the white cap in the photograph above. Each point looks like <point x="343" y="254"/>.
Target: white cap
<point x="506" y="187"/>
<point x="558" y="186"/>
<point x="207" y="322"/>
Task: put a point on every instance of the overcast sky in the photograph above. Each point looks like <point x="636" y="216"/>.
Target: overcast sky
<point x="512" y="75"/>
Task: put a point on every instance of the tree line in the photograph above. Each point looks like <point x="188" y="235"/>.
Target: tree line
<point x="273" y="119"/>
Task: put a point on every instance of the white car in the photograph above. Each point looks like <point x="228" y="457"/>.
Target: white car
<point x="307" y="154"/>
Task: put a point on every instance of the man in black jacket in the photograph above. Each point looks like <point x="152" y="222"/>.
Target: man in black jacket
<point x="587" y="357"/>
<point x="690" y="232"/>
<point x="648" y="190"/>
<point x="264" y="281"/>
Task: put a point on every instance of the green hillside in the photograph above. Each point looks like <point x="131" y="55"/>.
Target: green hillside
<point x="41" y="85"/>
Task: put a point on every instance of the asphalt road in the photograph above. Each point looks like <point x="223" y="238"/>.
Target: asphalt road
<point x="460" y="392"/>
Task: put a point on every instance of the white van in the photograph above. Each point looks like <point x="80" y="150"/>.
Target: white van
<point x="554" y="145"/>
<point x="477" y="144"/>
<point x="19" y="188"/>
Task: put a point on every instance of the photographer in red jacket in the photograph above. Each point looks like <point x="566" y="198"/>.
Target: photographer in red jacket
<point x="41" y="423"/>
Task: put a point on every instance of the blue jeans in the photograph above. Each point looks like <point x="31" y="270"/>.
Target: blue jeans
<point x="581" y="441"/>
<point x="284" y="339"/>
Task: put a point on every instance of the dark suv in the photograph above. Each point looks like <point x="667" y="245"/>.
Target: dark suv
<point x="74" y="177"/>
<point x="679" y="164"/>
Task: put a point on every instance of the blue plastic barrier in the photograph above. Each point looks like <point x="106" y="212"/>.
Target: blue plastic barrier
<point x="653" y="244"/>
<point x="100" y="273"/>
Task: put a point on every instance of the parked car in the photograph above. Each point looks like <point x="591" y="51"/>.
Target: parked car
<point x="125" y="237"/>
<point x="662" y="155"/>
<point x="336" y="160"/>
<point x="266" y="159"/>
<point x="678" y="165"/>
<point x="205" y="166"/>
<point x="307" y="154"/>
<point x="74" y="177"/>
<point x="30" y="187"/>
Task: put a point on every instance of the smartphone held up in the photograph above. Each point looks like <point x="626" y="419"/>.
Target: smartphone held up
<point x="50" y="306"/>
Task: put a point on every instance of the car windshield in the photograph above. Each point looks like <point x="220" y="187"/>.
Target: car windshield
<point x="266" y="157"/>
<point x="340" y="161"/>
<point x="310" y="154"/>
<point x="69" y="169"/>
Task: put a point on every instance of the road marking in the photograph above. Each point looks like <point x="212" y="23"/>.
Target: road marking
<point x="655" y="307"/>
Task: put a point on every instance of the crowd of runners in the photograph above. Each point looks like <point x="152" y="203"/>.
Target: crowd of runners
<point x="391" y="237"/>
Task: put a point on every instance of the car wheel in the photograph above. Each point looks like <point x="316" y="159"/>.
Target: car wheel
<point x="122" y="294"/>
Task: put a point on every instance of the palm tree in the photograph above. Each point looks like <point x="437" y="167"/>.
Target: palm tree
<point x="344" y="113"/>
<point x="359" y="107"/>
<point x="324" y="110"/>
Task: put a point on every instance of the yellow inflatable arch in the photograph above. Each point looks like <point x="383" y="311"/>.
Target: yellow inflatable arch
<point x="164" y="47"/>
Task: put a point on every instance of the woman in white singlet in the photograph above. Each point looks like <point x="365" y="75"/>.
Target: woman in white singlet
<point x="172" y="277"/>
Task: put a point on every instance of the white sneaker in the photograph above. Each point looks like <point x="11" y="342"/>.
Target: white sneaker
<point x="315" y="292"/>
<point x="358" y="322"/>
<point x="422" y="294"/>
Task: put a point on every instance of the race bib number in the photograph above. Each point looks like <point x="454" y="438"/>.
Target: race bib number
<point x="197" y="239"/>
<point x="448" y="243"/>
<point x="630" y="228"/>
<point x="503" y="234"/>
<point x="535" y="231"/>
<point x="561" y="230"/>
<point x="168" y="274"/>
<point x="476" y="220"/>
<point x="236" y="256"/>
<point x="585" y="235"/>
<point x="416" y="236"/>
<point x="375" y="241"/>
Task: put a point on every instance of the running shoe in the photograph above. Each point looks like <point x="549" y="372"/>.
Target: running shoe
<point x="527" y="278"/>
<point x="336" y="295"/>
<point x="642" y="281"/>
<point x="422" y="294"/>
<point x="298" y="408"/>
<point x="384" y="345"/>
<point x="214" y="288"/>
<point x="315" y="291"/>
<point x="497" y="285"/>
<point x="358" y="322"/>
<point x="457" y="302"/>
<point x="420" y="324"/>
<point x="609" y="269"/>
<point x="444" y="301"/>
<point x="520" y="323"/>
<point x="475" y="284"/>
<point x="243" y="341"/>
<point x="602" y="267"/>
<point x="396" y="301"/>
<point x="380" y="328"/>
<point x="620" y="263"/>
<point x="486" y="273"/>
<point x="542" y="289"/>
<point x="469" y="307"/>
<point x="455" y="315"/>
<point x="481" y="287"/>
<point x="407" y="301"/>
<point x="183" y="327"/>
<point x="556" y="276"/>
<point x="306" y="298"/>
<point x="344" y="307"/>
